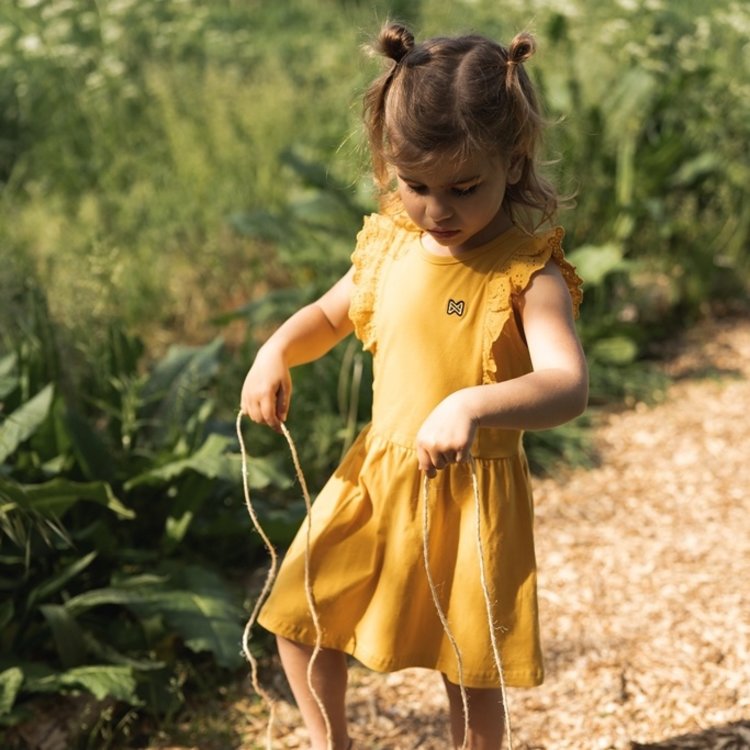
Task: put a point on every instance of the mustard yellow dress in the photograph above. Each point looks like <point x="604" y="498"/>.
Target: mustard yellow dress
<point x="434" y="325"/>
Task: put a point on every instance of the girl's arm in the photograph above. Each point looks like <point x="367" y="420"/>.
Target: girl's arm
<point x="555" y="391"/>
<point x="306" y="336"/>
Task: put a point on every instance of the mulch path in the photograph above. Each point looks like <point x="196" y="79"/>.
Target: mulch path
<point x="644" y="567"/>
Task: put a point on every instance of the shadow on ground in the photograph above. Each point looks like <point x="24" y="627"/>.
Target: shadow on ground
<point x="735" y="736"/>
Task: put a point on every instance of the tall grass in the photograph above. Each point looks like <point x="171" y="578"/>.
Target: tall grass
<point x="131" y="131"/>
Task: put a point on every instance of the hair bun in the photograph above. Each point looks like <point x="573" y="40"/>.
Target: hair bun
<point x="521" y="48"/>
<point x="395" y="41"/>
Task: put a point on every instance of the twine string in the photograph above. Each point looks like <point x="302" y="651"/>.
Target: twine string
<point x="488" y="602"/>
<point x="439" y="607"/>
<point x="309" y="590"/>
<point x="271" y="576"/>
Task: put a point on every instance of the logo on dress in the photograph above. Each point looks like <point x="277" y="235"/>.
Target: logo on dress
<point x="455" y="308"/>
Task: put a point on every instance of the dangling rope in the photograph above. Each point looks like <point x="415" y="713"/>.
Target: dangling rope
<point x="271" y="575"/>
<point x="487" y="602"/>
<point x="439" y="607"/>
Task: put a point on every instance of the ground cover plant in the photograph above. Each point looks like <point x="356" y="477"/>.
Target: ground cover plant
<point x="176" y="178"/>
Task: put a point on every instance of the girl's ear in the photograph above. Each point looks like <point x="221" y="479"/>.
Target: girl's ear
<point x="515" y="170"/>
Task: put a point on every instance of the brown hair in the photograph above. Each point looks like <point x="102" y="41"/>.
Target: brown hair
<point x="455" y="96"/>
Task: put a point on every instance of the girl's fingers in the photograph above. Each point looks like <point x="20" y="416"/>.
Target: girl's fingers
<point x="269" y="411"/>
<point x="282" y="402"/>
<point x="433" y="461"/>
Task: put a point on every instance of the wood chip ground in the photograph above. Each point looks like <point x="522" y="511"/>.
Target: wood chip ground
<point x="644" y="565"/>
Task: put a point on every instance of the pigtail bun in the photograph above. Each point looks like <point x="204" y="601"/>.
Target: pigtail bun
<point x="395" y="41"/>
<point x="520" y="50"/>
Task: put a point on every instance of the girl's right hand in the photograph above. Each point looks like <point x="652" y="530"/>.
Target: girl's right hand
<point x="267" y="389"/>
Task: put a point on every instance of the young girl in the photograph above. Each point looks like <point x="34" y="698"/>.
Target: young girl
<point x="466" y="302"/>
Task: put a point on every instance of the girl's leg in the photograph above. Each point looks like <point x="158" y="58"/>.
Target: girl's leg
<point x="329" y="680"/>
<point x="486" y="719"/>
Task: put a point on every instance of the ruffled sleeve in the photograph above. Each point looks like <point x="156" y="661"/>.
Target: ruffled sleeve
<point x="513" y="278"/>
<point x="380" y="239"/>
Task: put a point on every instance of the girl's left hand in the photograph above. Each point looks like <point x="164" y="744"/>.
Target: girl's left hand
<point x="446" y="436"/>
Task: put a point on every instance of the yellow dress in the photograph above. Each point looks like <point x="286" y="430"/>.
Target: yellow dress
<point x="434" y="325"/>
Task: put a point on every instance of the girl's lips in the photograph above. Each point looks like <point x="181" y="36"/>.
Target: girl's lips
<point x="444" y="233"/>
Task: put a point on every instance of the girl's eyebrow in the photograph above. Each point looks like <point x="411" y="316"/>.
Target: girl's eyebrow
<point x="462" y="181"/>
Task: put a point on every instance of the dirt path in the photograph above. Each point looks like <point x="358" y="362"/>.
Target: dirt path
<point x="644" y="569"/>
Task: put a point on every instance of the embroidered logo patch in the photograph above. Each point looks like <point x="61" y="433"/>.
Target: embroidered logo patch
<point x="455" y="308"/>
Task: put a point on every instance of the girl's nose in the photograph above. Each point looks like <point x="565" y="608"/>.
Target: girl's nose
<point x="438" y="210"/>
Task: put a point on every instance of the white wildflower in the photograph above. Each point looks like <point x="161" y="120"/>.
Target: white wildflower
<point x="30" y="43"/>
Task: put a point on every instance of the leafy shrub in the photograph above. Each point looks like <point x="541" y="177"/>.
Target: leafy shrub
<point x="113" y="496"/>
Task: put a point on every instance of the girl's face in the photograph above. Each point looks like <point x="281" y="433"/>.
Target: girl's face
<point x="459" y="206"/>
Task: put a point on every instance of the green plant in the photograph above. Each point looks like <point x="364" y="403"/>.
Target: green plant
<point x="113" y="491"/>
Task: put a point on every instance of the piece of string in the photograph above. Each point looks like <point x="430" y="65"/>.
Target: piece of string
<point x="270" y="577"/>
<point x="439" y="607"/>
<point x="487" y="602"/>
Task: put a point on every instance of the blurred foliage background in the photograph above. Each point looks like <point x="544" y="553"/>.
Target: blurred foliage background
<point x="175" y="178"/>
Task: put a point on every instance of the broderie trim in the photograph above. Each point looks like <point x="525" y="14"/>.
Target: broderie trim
<point x="512" y="278"/>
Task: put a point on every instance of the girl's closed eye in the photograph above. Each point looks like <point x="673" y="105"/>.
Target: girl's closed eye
<point x="462" y="192"/>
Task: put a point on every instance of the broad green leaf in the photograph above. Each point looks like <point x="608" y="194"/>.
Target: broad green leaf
<point x="68" y="636"/>
<point x="262" y="472"/>
<point x="206" y="622"/>
<point x="195" y="603"/>
<point x="697" y="169"/>
<point x="104" y="652"/>
<point x="10" y="683"/>
<point x="58" y="495"/>
<point x="210" y="460"/>
<point x="111" y="595"/>
<point x="54" y="584"/>
<point x="616" y="350"/>
<point x="172" y="395"/>
<point x="102" y="681"/>
<point x="21" y="424"/>
<point x="207" y="616"/>
<point x="595" y="262"/>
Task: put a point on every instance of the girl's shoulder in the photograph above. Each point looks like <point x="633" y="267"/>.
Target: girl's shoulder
<point x="383" y="237"/>
<point x="510" y="279"/>
<point x="534" y="253"/>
